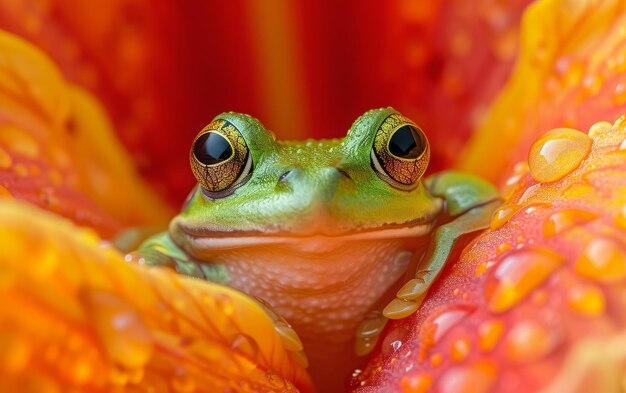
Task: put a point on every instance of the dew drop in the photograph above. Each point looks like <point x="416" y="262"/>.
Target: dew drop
<point x="225" y="304"/>
<point x="416" y="383"/>
<point x="502" y="216"/>
<point x="600" y="128"/>
<point x="19" y="142"/>
<point x="481" y="268"/>
<point x="245" y="345"/>
<point x="395" y="345"/>
<point x="438" y="324"/>
<point x="478" y="377"/>
<point x="288" y="336"/>
<point x="586" y="300"/>
<point x="489" y="334"/>
<point x="183" y="382"/>
<point x="503" y="247"/>
<point x="529" y="341"/>
<point x="274" y="379"/>
<point x="78" y="369"/>
<point x="557" y="153"/>
<point x="566" y="219"/>
<point x="620" y="93"/>
<point x="126" y="339"/>
<point x="517" y="274"/>
<point x="592" y="84"/>
<point x="603" y="260"/>
<point x="436" y="359"/>
<point x="460" y="349"/>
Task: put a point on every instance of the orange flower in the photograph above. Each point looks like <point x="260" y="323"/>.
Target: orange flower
<point x="533" y="303"/>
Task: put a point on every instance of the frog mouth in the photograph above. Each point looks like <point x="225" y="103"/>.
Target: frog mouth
<point x="202" y="238"/>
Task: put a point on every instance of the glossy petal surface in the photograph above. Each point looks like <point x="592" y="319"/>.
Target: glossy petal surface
<point x="81" y="317"/>
<point x="571" y="72"/>
<point x="58" y="150"/>
<point x="525" y="309"/>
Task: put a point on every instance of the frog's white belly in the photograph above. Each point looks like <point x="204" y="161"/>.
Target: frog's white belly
<point x="324" y="293"/>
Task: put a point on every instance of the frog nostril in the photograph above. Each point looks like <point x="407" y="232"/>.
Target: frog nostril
<point x="282" y="177"/>
<point x="344" y="173"/>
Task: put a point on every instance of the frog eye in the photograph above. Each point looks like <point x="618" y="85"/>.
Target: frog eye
<point x="400" y="153"/>
<point x="219" y="157"/>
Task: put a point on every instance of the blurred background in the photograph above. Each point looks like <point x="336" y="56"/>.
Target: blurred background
<point x="164" y="69"/>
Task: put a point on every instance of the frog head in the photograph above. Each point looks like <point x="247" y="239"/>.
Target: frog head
<point x="254" y="190"/>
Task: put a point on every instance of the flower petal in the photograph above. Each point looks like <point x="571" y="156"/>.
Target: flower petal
<point x="534" y="301"/>
<point x="571" y="72"/>
<point x="80" y="317"/>
<point x="58" y="150"/>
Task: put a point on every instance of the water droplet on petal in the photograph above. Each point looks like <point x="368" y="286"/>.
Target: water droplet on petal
<point x="126" y="339"/>
<point x="478" y="377"/>
<point x="416" y="383"/>
<point x="438" y="324"/>
<point x="566" y="219"/>
<point x="503" y="247"/>
<point x="517" y="274"/>
<point x="604" y="260"/>
<point x="502" y="216"/>
<point x="586" y="300"/>
<point x="225" y="304"/>
<point x="489" y="334"/>
<point x="592" y="84"/>
<point x="288" y="336"/>
<point x="275" y="380"/>
<point x="529" y="341"/>
<point x="245" y="345"/>
<point x="599" y="128"/>
<point x="557" y="153"/>
<point x="182" y="382"/>
<point x="459" y="349"/>
<point x="620" y="93"/>
<point x="436" y="359"/>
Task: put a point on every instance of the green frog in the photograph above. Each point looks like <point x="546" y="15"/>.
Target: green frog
<point x="338" y="235"/>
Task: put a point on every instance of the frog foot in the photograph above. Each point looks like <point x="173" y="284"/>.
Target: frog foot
<point x="368" y="333"/>
<point x="410" y="296"/>
<point x="290" y="339"/>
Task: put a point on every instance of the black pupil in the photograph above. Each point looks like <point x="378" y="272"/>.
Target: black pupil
<point x="212" y="148"/>
<point x="406" y="143"/>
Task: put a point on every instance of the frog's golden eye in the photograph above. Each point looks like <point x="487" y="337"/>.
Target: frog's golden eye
<point x="400" y="153"/>
<point x="219" y="157"/>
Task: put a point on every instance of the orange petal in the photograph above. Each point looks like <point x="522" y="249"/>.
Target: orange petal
<point x="58" y="150"/>
<point x="571" y="72"/>
<point x="81" y="317"/>
<point x="543" y="308"/>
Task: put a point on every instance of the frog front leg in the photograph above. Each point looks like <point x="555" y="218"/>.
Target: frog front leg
<point x="160" y="250"/>
<point x="470" y="203"/>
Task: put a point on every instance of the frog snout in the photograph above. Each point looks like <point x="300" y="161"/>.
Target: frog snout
<point x="319" y="184"/>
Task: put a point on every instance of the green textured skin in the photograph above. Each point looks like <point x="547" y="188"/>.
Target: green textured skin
<point x="314" y="188"/>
